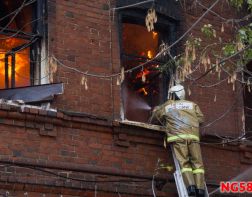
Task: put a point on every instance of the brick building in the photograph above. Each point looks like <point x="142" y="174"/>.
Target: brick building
<point x="77" y="143"/>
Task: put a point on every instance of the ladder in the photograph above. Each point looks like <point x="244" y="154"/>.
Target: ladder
<point x="182" y="191"/>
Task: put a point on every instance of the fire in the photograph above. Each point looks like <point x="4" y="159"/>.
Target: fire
<point x="149" y="54"/>
<point x="154" y="35"/>
<point x="22" y="67"/>
<point x="143" y="90"/>
<point x="141" y="46"/>
<point x="144" y="72"/>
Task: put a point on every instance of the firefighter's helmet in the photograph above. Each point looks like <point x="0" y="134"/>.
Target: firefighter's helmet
<point x="178" y="90"/>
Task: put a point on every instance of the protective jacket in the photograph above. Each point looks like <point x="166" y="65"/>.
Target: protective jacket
<point x="181" y="119"/>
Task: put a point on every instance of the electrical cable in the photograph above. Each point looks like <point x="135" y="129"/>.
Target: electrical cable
<point x="77" y="179"/>
<point x="207" y="124"/>
<point x="26" y="4"/>
<point x="141" y="65"/>
<point x="133" y="5"/>
<point x="16" y="13"/>
<point x="211" y="85"/>
<point x="147" y="62"/>
<point x="20" y="30"/>
<point x="222" y="61"/>
<point x="88" y="74"/>
<point x="232" y="20"/>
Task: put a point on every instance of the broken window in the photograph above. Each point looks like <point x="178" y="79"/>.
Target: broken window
<point x="143" y="87"/>
<point x="248" y="97"/>
<point x="22" y="32"/>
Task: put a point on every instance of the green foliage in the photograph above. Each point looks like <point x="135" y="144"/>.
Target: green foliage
<point x="236" y="51"/>
<point x="229" y="49"/>
<point x="237" y="3"/>
<point x="244" y="39"/>
<point x="248" y="55"/>
<point x="208" y="30"/>
<point x="249" y="2"/>
<point x="240" y="3"/>
<point x="245" y="34"/>
<point x="194" y="42"/>
<point x="168" y="67"/>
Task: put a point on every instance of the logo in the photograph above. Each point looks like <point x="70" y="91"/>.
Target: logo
<point x="236" y="187"/>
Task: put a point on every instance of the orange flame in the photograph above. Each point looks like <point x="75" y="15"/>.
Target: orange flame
<point x="143" y="90"/>
<point x="149" y="54"/>
<point x="22" y="67"/>
<point x="154" y="35"/>
<point x="144" y="72"/>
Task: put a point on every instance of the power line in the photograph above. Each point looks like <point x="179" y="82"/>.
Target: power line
<point x="233" y="20"/>
<point x="15" y="14"/>
<point x="75" y="179"/>
<point x="133" y="5"/>
<point x="17" y="10"/>
<point x="20" y="30"/>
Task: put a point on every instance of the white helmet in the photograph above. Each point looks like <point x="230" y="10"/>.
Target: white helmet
<point x="178" y="90"/>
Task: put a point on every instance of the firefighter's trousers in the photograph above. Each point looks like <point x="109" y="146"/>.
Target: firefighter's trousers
<point x="188" y="154"/>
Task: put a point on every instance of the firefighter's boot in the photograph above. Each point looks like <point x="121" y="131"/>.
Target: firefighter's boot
<point x="200" y="193"/>
<point x="191" y="190"/>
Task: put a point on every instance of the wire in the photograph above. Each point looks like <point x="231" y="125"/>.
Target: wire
<point x="226" y="19"/>
<point x="28" y="3"/>
<point x="133" y="5"/>
<point x="211" y="85"/>
<point x="147" y="62"/>
<point x="205" y="126"/>
<point x="15" y="14"/>
<point x="76" y="179"/>
<point x="222" y="61"/>
<point x="20" y="30"/>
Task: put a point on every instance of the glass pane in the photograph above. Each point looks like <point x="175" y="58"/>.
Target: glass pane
<point x="22" y="62"/>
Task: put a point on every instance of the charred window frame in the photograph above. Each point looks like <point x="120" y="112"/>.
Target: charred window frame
<point x="166" y="30"/>
<point x="23" y="38"/>
<point x="247" y="99"/>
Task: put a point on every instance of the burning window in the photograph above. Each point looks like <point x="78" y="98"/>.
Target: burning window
<point x="20" y="38"/>
<point x="144" y="87"/>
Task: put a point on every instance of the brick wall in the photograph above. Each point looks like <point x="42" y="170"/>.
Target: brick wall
<point x="49" y="153"/>
<point x="83" y="36"/>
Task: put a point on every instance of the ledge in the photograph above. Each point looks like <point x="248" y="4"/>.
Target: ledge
<point x="153" y="127"/>
<point x="35" y="117"/>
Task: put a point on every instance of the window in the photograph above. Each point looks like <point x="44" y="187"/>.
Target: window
<point x="248" y="98"/>
<point x="144" y="87"/>
<point x="22" y="33"/>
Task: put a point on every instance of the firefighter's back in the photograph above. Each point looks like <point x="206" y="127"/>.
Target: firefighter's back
<point x="182" y="117"/>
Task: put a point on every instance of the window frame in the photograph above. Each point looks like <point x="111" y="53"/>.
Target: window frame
<point x="246" y="101"/>
<point x="37" y="40"/>
<point x="137" y="16"/>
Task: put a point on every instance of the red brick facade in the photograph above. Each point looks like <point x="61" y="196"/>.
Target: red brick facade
<point x="73" y="153"/>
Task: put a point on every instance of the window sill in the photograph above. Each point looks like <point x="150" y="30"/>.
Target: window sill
<point x="128" y="132"/>
<point x="152" y="127"/>
<point x="33" y="94"/>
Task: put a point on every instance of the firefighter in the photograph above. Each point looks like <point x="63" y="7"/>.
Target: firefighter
<point x="181" y="119"/>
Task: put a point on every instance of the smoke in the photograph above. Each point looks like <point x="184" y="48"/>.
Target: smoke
<point x="136" y="108"/>
<point x="139" y="103"/>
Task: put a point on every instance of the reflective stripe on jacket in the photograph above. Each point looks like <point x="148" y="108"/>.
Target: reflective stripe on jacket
<point x="182" y="137"/>
<point x="181" y="119"/>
